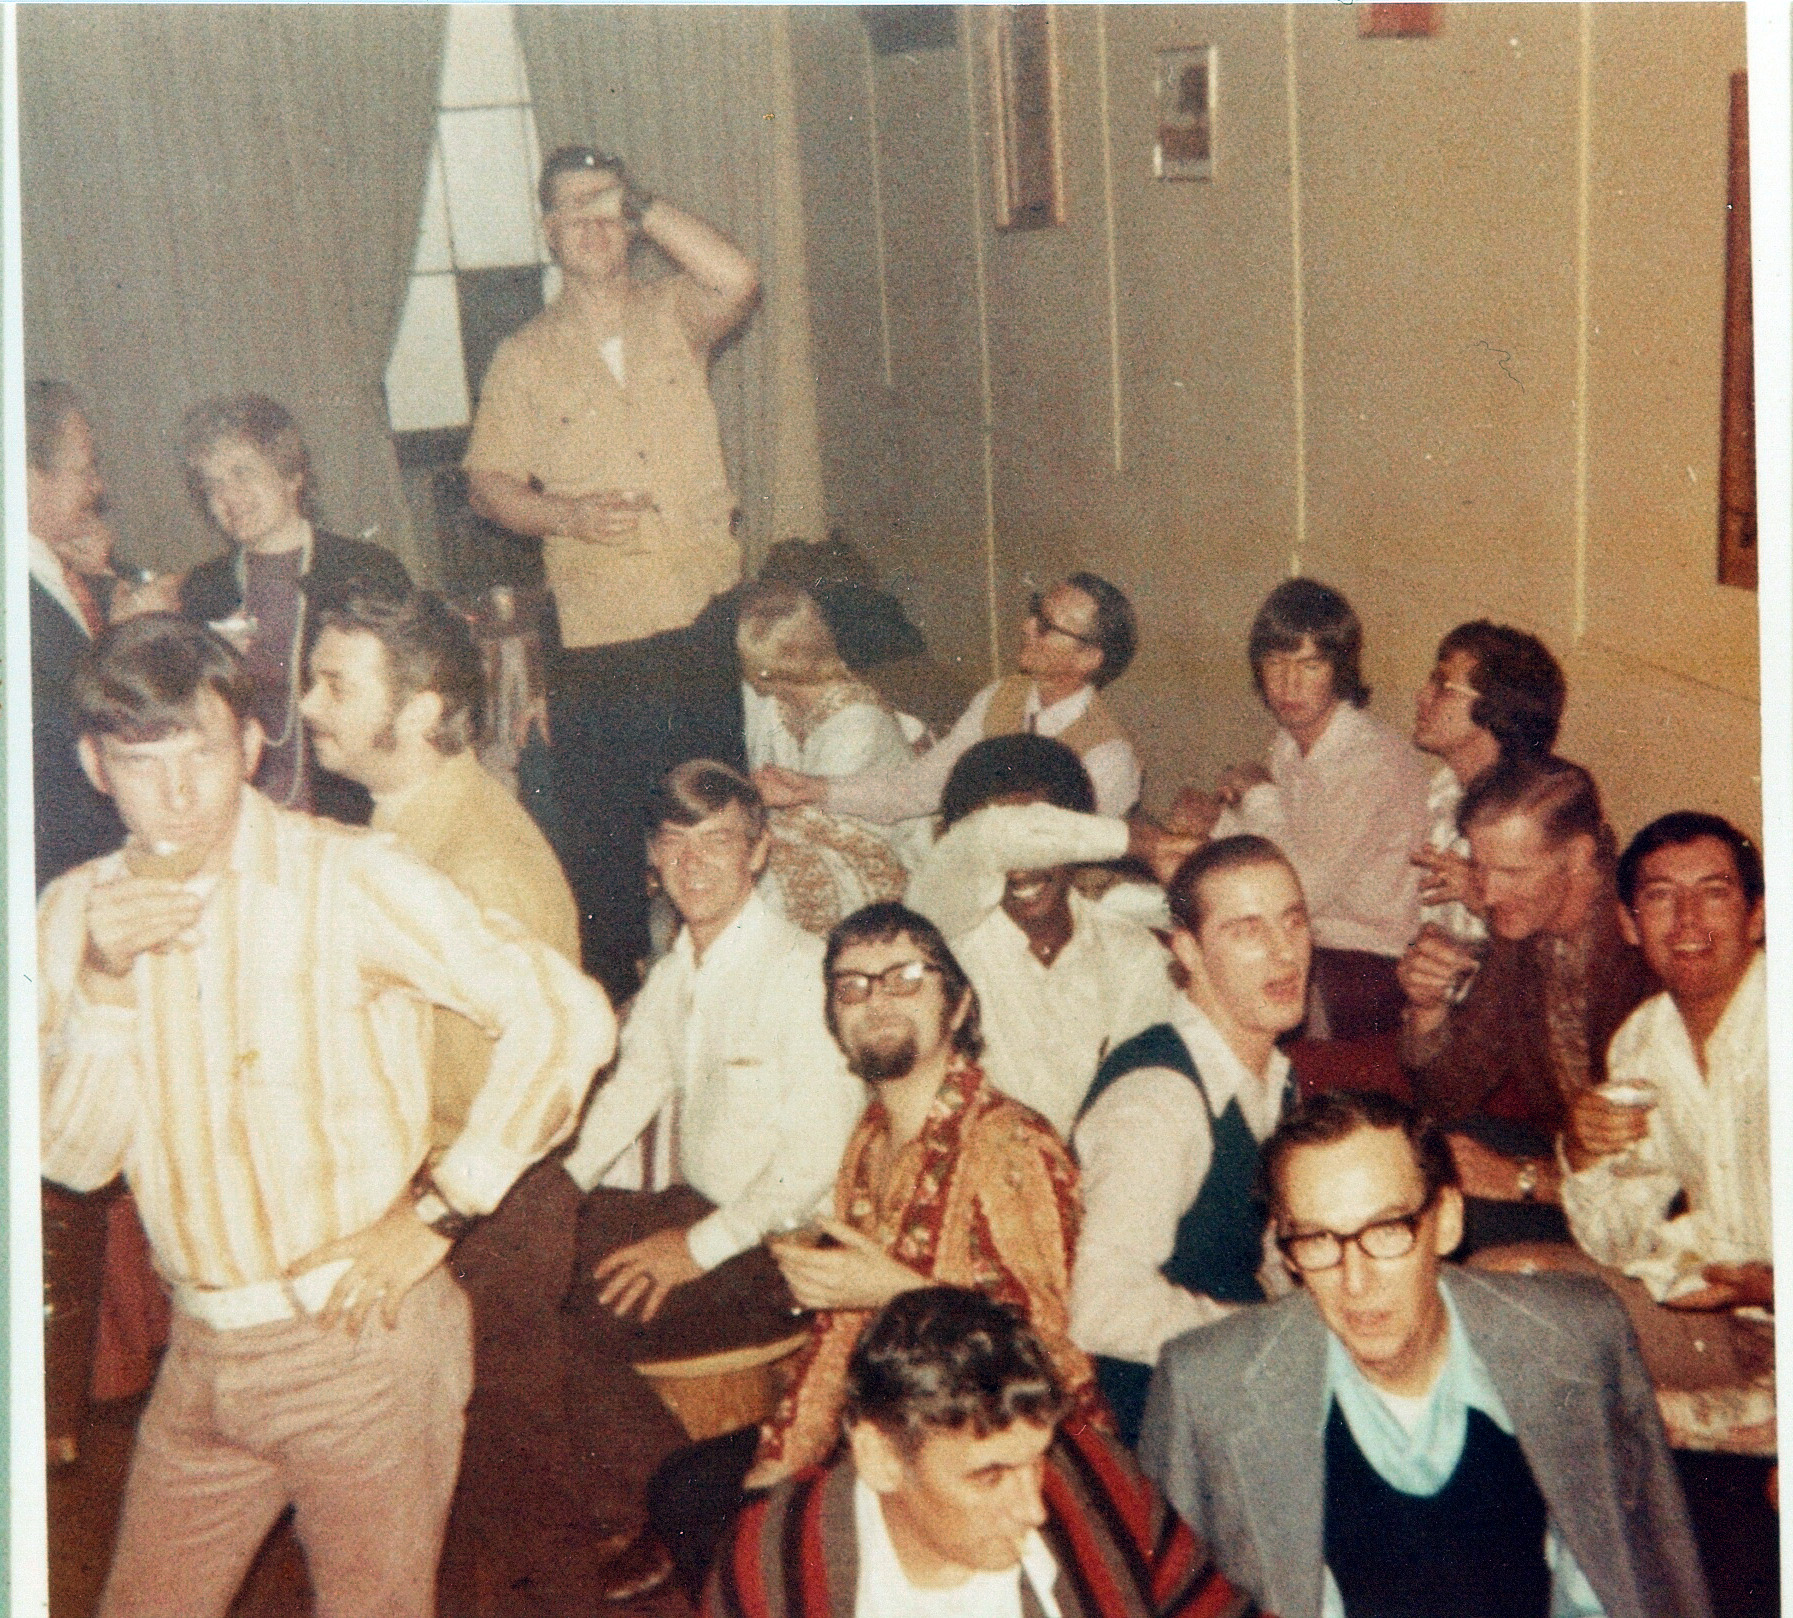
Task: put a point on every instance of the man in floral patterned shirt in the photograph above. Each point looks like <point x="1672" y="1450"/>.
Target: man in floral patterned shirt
<point x="945" y="1182"/>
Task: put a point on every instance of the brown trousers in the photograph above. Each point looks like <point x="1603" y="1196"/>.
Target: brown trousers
<point x="622" y="1430"/>
<point x="361" y="1434"/>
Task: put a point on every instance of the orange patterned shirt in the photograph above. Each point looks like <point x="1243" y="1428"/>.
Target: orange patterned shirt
<point x="985" y="1197"/>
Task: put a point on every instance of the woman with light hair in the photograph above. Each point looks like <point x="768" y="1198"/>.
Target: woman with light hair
<point x="806" y="710"/>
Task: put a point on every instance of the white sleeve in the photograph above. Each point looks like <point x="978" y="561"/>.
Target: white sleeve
<point x="907" y="790"/>
<point x="963" y="877"/>
<point x="1114" y="772"/>
<point x="819" y="1103"/>
<point x="857" y="739"/>
<point x="1144" y="1150"/>
<point x="647" y="1072"/>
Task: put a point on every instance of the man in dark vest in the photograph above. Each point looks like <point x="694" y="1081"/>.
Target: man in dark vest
<point x="1168" y="1137"/>
<point x="1405" y="1437"/>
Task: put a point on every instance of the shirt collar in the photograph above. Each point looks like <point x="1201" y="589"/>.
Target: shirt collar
<point x="1737" y="1038"/>
<point x="1444" y="793"/>
<point x="412" y="808"/>
<point x="1420" y="1460"/>
<point x="46" y="567"/>
<point x="1224" y="1075"/>
<point x="1061" y="715"/>
<point x="885" y="1590"/>
<point x="739" y="939"/>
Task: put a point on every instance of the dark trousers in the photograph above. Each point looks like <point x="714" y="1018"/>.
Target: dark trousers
<point x="621" y="716"/>
<point x="622" y="1430"/>
<point x="693" y="1498"/>
<point x="518" y="1506"/>
<point x="1357" y="992"/>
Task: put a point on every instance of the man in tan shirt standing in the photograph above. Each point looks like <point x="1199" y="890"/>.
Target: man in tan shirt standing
<point x="396" y="701"/>
<point x="596" y="432"/>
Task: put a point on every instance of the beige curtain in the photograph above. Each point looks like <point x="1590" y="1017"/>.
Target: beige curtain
<point x="698" y="101"/>
<point x="225" y="198"/>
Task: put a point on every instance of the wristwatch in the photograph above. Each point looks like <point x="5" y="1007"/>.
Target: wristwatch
<point x="435" y="1210"/>
<point x="1527" y="1182"/>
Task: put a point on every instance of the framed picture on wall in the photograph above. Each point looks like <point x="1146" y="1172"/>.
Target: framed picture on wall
<point x="1184" y="149"/>
<point x="1024" y="103"/>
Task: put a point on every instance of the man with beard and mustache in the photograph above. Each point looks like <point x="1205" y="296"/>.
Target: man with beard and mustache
<point x="944" y="1182"/>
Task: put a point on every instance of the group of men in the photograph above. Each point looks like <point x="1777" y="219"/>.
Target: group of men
<point x="1021" y="1156"/>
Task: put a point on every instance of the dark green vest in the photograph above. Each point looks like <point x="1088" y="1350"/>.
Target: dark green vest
<point x="1219" y="1242"/>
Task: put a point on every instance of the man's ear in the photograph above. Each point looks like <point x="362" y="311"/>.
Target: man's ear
<point x="1448" y="1232"/>
<point x="1628" y="928"/>
<point x="253" y="739"/>
<point x="93" y="766"/>
<point x="875" y="1457"/>
<point x="1188" y="955"/>
<point x="419" y="715"/>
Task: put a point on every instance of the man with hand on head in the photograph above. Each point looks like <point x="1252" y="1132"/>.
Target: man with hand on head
<point x="1168" y="1141"/>
<point x="730" y="1024"/>
<point x="1404" y="1437"/>
<point x="235" y="1011"/>
<point x="1342" y="795"/>
<point x="962" y="1492"/>
<point x="1061" y="979"/>
<point x="1077" y="639"/>
<point x="596" y="433"/>
<point x="396" y="703"/>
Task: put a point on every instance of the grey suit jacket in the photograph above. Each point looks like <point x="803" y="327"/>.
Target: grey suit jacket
<point x="1234" y="1422"/>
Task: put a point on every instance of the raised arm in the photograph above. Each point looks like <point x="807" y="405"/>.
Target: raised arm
<point x="720" y="282"/>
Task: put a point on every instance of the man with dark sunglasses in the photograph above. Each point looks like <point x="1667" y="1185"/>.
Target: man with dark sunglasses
<point x="1402" y="1436"/>
<point x="1077" y="639"/>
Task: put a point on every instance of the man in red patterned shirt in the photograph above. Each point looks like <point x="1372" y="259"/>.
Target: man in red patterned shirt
<point x="945" y="1181"/>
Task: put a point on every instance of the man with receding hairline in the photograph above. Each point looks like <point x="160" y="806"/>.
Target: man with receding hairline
<point x="1403" y="1437"/>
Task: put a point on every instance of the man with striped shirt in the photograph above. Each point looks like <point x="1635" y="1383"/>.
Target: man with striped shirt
<point x="966" y="1492"/>
<point x="235" y="1010"/>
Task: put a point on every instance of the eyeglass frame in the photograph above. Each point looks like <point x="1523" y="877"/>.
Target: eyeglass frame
<point x="884" y="982"/>
<point x="1354" y="1238"/>
<point x="1457" y="687"/>
<point x="1036" y="610"/>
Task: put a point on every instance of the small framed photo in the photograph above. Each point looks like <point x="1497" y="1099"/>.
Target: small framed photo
<point x="1024" y="94"/>
<point x="1184" y="149"/>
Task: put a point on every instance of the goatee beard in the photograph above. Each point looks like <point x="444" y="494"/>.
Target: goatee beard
<point x="893" y="1061"/>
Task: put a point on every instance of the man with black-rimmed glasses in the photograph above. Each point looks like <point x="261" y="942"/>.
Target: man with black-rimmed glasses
<point x="1402" y="1436"/>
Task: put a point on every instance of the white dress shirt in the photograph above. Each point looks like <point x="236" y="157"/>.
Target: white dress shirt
<point x="914" y="788"/>
<point x="1048" y="1028"/>
<point x="1708" y="1137"/>
<point x="46" y="567"/>
<point x="765" y="1101"/>
<point x="1443" y="799"/>
<point x="1348" y="815"/>
<point x="885" y="1590"/>
<point x="1144" y="1150"/>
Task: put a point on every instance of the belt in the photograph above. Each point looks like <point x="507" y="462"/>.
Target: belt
<point x="261" y="1302"/>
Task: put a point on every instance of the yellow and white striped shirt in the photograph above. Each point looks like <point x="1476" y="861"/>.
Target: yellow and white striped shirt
<point x="269" y="1090"/>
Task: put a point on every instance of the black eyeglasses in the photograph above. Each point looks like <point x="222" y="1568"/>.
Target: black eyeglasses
<point x="1036" y="610"/>
<point x="1314" y="1250"/>
<point x="900" y="982"/>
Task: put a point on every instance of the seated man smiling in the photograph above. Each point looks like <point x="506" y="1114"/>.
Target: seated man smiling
<point x="962" y="1495"/>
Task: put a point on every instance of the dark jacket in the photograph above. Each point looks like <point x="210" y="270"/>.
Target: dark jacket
<point x="211" y="591"/>
<point x="1495" y="1062"/>
<point x="1121" y="1553"/>
<point x="72" y="822"/>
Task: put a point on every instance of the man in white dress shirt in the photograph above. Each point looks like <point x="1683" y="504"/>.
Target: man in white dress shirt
<point x="1690" y="887"/>
<point x="1494" y="693"/>
<point x="1077" y="639"/>
<point x="1168" y="1141"/>
<point x="729" y="1026"/>
<point x="1062" y="979"/>
<point x="1342" y="795"/>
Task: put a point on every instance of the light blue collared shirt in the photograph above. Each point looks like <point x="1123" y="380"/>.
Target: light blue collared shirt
<point x="1421" y="1460"/>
